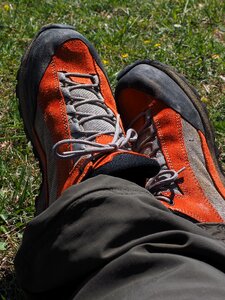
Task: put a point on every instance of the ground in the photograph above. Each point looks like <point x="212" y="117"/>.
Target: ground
<point x="189" y="35"/>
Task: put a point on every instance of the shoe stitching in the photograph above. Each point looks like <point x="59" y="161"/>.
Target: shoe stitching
<point x="186" y="163"/>
<point x="188" y="167"/>
<point x="61" y="102"/>
<point x="219" y="186"/>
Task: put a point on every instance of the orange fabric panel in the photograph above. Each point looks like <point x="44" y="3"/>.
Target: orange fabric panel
<point x="71" y="56"/>
<point x="169" y="130"/>
<point x="53" y="107"/>
<point x="132" y="102"/>
<point x="82" y="80"/>
<point x="211" y="166"/>
<point x="104" y="139"/>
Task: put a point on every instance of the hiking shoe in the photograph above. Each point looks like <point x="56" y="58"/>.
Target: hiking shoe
<point x="174" y="129"/>
<point x="70" y="114"/>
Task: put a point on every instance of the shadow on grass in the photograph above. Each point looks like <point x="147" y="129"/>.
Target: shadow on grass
<point x="9" y="288"/>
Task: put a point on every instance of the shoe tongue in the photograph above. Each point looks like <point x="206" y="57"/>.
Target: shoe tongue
<point x="93" y="109"/>
<point x="87" y="113"/>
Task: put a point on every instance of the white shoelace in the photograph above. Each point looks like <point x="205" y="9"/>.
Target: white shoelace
<point x="166" y="178"/>
<point x="86" y="142"/>
<point x="161" y="181"/>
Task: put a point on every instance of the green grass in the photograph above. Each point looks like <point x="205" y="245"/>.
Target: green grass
<point x="189" y="35"/>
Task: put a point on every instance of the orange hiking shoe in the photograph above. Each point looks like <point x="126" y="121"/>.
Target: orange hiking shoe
<point x="70" y="115"/>
<point x="174" y="129"/>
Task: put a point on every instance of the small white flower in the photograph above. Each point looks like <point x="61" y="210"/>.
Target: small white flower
<point x="177" y="25"/>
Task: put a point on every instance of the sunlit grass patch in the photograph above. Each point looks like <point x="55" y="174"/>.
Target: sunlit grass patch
<point x="189" y="35"/>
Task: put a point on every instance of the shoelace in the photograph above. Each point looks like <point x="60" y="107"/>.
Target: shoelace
<point x="161" y="181"/>
<point x="166" y="178"/>
<point x="87" y="137"/>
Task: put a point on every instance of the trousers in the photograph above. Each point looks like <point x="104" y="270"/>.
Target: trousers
<point x="108" y="238"/>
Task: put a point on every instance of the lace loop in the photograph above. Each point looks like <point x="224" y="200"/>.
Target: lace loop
<point x="164" y="178"/>
<point x="85" y="104"/>
<point x="148" y="144"/>
<point x="116" y="144"/>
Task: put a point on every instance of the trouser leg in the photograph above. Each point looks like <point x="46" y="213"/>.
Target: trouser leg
<point x="108" y="238"/>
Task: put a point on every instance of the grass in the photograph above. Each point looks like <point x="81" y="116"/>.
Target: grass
<point x="189" y="35"/>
